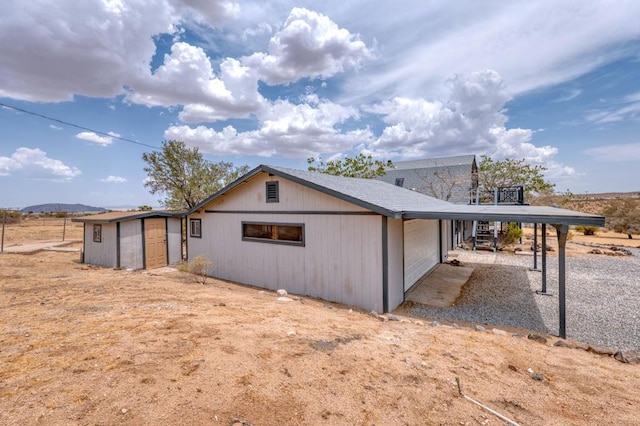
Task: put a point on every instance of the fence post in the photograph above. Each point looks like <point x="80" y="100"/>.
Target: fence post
<point x="64" y="225"/>
<point x="4" y="214"/>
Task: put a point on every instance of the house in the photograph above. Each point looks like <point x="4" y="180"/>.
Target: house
<point x="132" y="240"/>
<point x="359" y="242"/>
<point x="452" y="179"/>
<point x="447" y="178"/>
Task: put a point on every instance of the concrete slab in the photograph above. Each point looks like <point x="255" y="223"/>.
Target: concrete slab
<point x="441" y="286"/>
<point x="44" y="245"/>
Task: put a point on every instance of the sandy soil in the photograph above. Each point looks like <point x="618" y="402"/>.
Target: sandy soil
<point x="86" y="345"/>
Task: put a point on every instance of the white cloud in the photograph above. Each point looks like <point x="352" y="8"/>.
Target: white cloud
<point x="93" y="48"/>
<point x="187" y="78"/>
<point x="113" y="179"/>
<point x="528" y="43"/>
<point x="34" y="163"/>
<point x="54" y="127"/>
<point x="625" y="110"/>
<point x="309" y="45"/>
<point x="569" y="95"/>
<point x="615" y="153"/>
<point x="292" y="130"/>
<point x="95" y="138"/>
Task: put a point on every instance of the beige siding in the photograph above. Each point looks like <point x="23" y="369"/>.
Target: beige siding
<point x="103" y="253"/>
<point x="174" y="239"/>
<point x="421" y="249"/>
<point x="395" y="253"/>
<point x="131" y="256"/>
<point x="293" y="197"/>
<point x="341" y="260"/>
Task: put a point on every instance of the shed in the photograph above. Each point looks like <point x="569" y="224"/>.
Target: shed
<point x="132" y="240"/>
<point x="360" y="242"/>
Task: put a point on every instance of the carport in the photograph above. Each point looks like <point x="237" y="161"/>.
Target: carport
<point x="560" y="219"/>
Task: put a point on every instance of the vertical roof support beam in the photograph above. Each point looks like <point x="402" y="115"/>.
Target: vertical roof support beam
<point x="562" y="231"/>
<point x="535" y="248"/>
<point x="544" y="291"/>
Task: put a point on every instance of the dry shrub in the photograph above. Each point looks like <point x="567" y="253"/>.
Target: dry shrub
<point x="199" y="267"/>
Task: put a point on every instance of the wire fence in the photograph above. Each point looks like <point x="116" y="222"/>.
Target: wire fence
<point x="18" y="228"/>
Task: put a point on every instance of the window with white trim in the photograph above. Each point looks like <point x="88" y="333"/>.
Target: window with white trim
<point x="195" y="228"/>
<point x="97" y="233"/>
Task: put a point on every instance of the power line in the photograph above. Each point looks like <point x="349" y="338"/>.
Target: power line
<point x="46" y="117"/>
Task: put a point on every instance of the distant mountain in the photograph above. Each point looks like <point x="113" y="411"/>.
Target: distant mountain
<point x="57" y="207"/>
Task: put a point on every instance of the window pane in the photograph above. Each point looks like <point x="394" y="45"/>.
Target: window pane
<point x="289" y="233"/>
<point x="258" y="231"/>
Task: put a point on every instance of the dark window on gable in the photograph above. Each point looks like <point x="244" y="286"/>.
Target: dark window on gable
<point x="97" y="233"/>
<point x="399" y="181"/>
<point x="279" y="233"/>
<point x="195" y="228"/>
<point x="273" y="195"/>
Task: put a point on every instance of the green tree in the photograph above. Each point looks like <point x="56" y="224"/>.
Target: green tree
<point x="361" y="166"/>
<point x="623" y="216"/>
<point x="493" y="174"/>
<point x="184" y="176"/>
<point x="145" y="208"/>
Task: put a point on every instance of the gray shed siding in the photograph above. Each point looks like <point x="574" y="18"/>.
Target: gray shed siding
<point x="174" y="239"/>
<point x="104" y="252"/>
<point x="131" y="253"/>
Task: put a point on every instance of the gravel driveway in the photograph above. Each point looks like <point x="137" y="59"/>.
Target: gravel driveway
<point x="603" y="297"/>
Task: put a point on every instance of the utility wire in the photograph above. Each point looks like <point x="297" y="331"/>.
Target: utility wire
<point x="66" y="123"/>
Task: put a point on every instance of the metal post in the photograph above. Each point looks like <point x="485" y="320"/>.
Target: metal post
<point x="544" y="291"/>
<point x="535" y="248"/>
<point x="64" y="226"/>
<point x="4" y="215"/>
<point x="562" y="231"/>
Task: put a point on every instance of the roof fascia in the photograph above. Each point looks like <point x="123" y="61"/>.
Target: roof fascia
<point x="510" y="217"/>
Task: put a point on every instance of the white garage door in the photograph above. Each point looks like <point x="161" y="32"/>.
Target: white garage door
<point x="420" y="249"/>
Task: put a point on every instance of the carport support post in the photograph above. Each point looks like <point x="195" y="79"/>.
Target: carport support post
<point x="535" y="248"/>
<point x="544" y="258"/>
<point x="562" y="231"/>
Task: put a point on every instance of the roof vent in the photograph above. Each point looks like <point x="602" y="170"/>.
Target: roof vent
<point x="273" y="195"/>
<point x="400" y="182"/>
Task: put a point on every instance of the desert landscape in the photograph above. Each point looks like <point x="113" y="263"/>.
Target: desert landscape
<point x="88" y="345"/>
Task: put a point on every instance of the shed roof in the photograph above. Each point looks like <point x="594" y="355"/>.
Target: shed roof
<point x="393" y="201"/>
<point x="123" y="216"/>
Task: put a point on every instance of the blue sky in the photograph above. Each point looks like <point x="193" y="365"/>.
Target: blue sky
<point x="275" y="82"/>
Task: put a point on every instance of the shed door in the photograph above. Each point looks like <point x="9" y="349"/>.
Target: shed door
<point x="420" y="249"/>
<point x="155" y="235"/>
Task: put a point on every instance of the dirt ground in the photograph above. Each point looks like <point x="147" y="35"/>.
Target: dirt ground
<point x="87" y="345"/>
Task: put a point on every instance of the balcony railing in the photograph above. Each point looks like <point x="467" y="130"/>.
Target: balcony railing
<point x="500" y="195"/>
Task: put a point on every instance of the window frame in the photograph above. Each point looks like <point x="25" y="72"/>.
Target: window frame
<point x="97" y="232"/>
<point x="271" y="240"/>
<point x="276" y="185"/>
<point x="192" y="222"/>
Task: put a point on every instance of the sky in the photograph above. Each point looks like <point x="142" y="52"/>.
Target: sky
<point x="87" y="87"/>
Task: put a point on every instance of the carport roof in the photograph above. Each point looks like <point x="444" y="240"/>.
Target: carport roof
<point x="401" y="203"/>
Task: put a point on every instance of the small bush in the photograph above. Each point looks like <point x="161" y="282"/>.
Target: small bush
<point x="199" y="267"/>
<point x="510" y="234"/>
<point x="587" y="230"/>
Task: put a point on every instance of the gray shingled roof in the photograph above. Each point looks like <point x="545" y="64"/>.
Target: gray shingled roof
<point x="374" y="194"/>
<point x="393" y="201"/>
